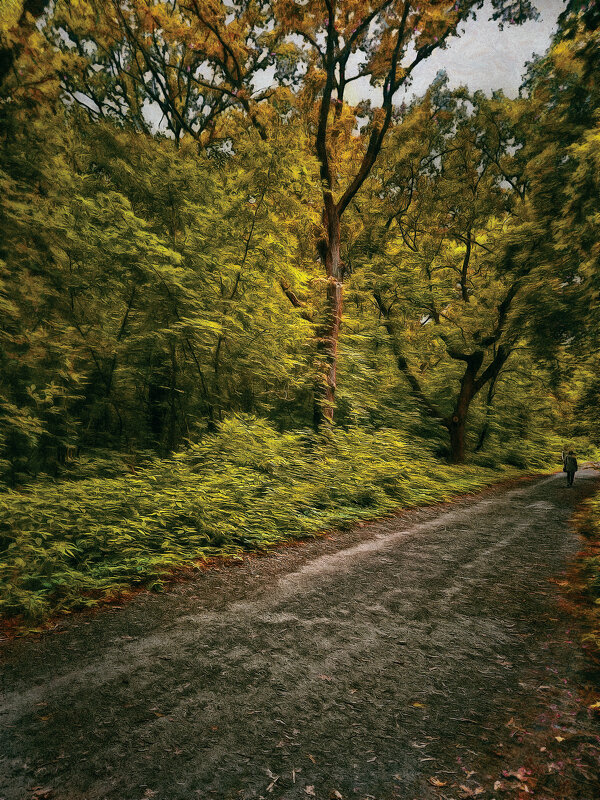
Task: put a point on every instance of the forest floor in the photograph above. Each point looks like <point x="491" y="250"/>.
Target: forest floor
<point x="430" y="655"/>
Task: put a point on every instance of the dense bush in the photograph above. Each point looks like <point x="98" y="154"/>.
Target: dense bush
<point x="69" y="544"/>
<point x="588" y="524"/>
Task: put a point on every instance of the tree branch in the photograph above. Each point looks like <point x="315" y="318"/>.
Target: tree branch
<point x="503" y="310"/>
<point x="493" y="368"/>
<point x="295" y="300"/>
<point x="411" y="379"/>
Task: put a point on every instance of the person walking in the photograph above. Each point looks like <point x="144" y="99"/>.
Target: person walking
<point x="570" y="467"/>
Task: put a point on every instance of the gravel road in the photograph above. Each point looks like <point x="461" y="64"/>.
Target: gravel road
<point x="371" y="663"/>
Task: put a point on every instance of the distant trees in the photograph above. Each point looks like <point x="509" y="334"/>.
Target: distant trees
<point x="17" y="27"/>
<point x="481" y="238"/>
<point x="561" y="149"/>
<point x="174" y="67"/>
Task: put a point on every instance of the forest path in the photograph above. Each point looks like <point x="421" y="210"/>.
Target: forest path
<point x="373" y="664"/>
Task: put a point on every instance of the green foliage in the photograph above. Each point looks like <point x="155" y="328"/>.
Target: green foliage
<point x="140" y="288"/>
<point x="69" y="544"/>
<point x="588" y="524"/>
<point x="558" y="133"/>
<point x="150" y="288"/>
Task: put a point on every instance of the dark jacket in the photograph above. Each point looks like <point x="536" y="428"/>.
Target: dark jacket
<point x="570" y="464"/>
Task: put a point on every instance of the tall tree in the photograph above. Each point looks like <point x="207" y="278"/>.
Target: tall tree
<point x="558" y="231"/>
<point x="444" y="296"/>
<point x="343" y="41"/>
<point x="197" y="62"/>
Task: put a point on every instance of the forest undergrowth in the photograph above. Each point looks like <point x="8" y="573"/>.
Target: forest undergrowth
<point x="73" y="544"/>
<point x="587" y="523"/>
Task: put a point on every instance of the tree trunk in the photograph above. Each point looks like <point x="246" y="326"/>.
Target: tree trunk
<point x="456" y="423"/>
<point x="488" y="413"/>
<point x="457" y="439"/>
<point x="328" y="332"/>
<point x="157" y="400"/>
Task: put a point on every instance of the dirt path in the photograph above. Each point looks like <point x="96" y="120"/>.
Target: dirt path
<point x="401" y="660"/>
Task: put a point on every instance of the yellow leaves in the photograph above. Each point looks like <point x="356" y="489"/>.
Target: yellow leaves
<point x="431" y="21"/>
<point x="10" y="11"/>
<point x="563" y="57"/>
<point x="36" y="64"/>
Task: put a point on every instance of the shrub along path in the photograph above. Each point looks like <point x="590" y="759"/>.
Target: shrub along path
<point x="426" y="656"/>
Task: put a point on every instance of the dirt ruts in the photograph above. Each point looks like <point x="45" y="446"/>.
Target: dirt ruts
<point x="426" y="656"/>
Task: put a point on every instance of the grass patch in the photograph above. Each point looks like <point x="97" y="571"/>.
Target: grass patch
<point x="69" y="545"/>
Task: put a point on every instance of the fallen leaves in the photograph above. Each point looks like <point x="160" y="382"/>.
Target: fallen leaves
<point x="436" y="781"/>
<point x="41" y="793"/>
<point x="468" y="792"/>
<point x="310" y="791"/>
<point x="520" y="774"/>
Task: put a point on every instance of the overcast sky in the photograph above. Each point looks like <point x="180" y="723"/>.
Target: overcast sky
<point x="484" y="57"/>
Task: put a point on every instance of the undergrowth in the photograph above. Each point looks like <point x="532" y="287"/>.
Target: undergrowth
<point x="72" y="544"/>
<point x="588" y="524"/>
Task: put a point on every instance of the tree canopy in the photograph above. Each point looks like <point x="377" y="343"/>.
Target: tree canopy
<point x="189" y="189"/>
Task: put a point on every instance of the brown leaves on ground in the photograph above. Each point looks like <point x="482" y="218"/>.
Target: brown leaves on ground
<point x="520" y="774"/>
<point x="42" y="793"/>
<point x="468" y="792"/>
<point x="436" y="782"/>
